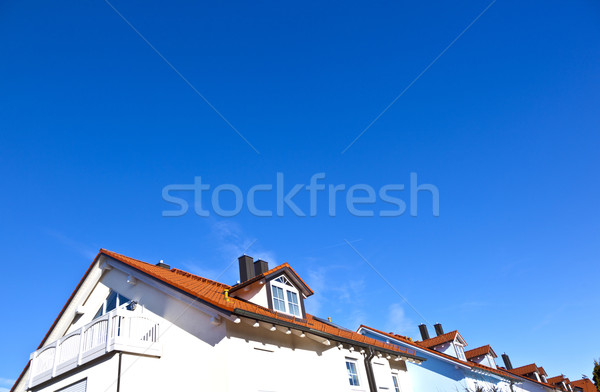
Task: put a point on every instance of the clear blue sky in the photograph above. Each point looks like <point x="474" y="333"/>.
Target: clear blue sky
<point x="94" y="124"/>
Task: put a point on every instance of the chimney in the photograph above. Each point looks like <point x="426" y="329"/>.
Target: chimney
<point x="260" y="267"/>
<point x="246" y="268"/>
<point x="424" y="331"/>
<point x="438" y="329"/>
<point x="162" y="264"/>
<point x="506" y="360"/>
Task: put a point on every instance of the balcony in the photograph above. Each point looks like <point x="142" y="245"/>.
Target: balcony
<point x="119" y="330"/>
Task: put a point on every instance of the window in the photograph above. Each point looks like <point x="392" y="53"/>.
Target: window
<point x="278" y="302"/>
<point x="293" y="303"/>
<point x="460" y="352"/>
<point x="396" y="383"/>
<point x="113" y="301"/>
<point x="491" y="361"/>
<point x="285" y="297"/>
<point x="352" y="373"/>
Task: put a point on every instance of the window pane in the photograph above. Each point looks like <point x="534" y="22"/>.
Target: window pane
<point x="396" y="384"/>
<point x="293" y="303"/>
<point x="123" y="300"/>
<point x="352" y="373"/>
<point x="99" y="313"/>
<point x="278" y="301"/>
<point x="111" y="301"/>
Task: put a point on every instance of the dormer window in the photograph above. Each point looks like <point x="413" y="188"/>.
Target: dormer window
<point x="285" y="297"/>
<point x="460" y="352"/>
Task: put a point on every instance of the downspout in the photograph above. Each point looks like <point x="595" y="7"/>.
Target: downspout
<point x="119" y="373"/>
<point x="369" y="368"/>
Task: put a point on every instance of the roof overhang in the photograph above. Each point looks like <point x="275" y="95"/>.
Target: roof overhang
<point x="259" y="317"/>
<point x="416" y="348"/>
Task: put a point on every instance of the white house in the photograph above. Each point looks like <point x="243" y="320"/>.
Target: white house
<point x="134" y="326"/>
<point x="450" y="368"/>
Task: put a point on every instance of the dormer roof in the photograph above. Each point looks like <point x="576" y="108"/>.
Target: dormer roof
<point x="527" y="369"/>
<point x="453" y="336"/>
<point x="479" y="351"/>
<point x="407" y="341"/>
<point x="275" y="272"/>
<point x="558" y="379"/>
<point x="585" y="385"/>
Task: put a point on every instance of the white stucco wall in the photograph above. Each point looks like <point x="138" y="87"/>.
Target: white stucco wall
<point x="201" y="355"/>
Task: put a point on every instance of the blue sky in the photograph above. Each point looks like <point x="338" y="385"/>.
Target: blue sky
<point x="505" y="123"/>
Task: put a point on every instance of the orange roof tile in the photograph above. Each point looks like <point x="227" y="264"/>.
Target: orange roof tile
<point x="213" y="293"/>
<point x="479" y="351"/>
<point x="527" y="369"/>
<point x="584" y="384"/>
<point x="404" y="339"/>
<point x="441" y="339"/>
<point x="285" y="266"/>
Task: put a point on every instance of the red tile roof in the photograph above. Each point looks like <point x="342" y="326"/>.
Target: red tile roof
<point x="283" y="267"/>
<point x="406" y="340"/>
<point x="500" y="371"/>
<point x="479" y="351"/>
<point x="214" y="293"/>
<point x="584" y="384"/>
<point x="558" y="380"/>
<point x="527" y="369"/>
<point x="441" y="339"/>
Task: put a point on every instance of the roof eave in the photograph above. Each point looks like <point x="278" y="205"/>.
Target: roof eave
<point x="283" y="323"/>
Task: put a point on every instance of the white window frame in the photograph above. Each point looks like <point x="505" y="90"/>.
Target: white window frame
<point x="353" y="362"/>
<point x="460" y="352"/>
<point x="286" y="287"/>
<point x="396" y="382"/>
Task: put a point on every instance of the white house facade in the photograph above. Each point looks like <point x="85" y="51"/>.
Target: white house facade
<point x="134" y="326"/>
<point x="450" y="367"/>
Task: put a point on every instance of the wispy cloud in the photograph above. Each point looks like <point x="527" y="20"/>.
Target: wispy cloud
<point x="336" y="295"/>
<point x="84" y="250"/>
<point x="231" y="241"/>
<point x="467" y="307"/>
<point x="6" y="384"/>
<point x="549" y="318"/>
<point x="399" y="322"/>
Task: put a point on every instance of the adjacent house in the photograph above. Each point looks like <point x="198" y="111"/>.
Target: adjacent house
<point x="561" y="382"/>
<point x="583" y="385"/>
<point x="450" y="368"/>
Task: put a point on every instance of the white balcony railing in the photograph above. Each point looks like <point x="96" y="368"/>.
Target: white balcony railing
<point x="118" y="330"/>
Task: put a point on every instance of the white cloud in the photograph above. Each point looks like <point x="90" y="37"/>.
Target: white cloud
<point x="230" y="241"/>
<point x="6" y="382"/>
<point x="398" y="322"/>
<point x="75" y="246"/>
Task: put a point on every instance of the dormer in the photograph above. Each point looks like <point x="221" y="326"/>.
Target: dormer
<point x="530" y="371"/>
<point x="563" y="383"/>
<point x="451" y="343"/>
<point x="279" y="289"/>
<point x="484" y="355"/>
<point x="543" y="374"/>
